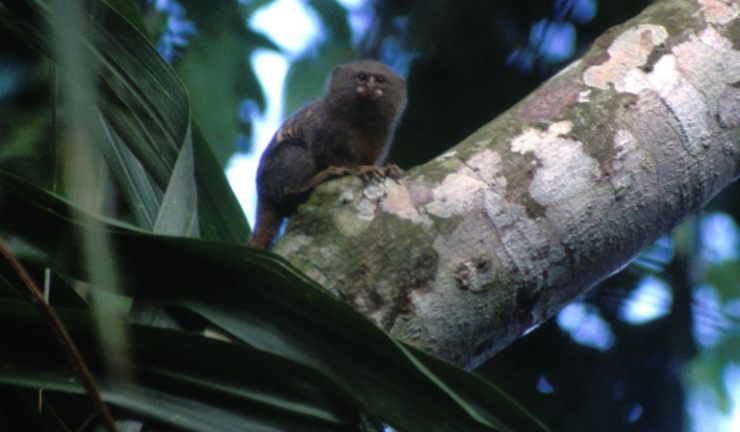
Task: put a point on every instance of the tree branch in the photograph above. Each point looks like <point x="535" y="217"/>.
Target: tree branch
<point x="469" y="251"/>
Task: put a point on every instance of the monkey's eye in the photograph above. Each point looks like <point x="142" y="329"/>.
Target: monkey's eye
<point x="362" y="76"/>
<point x="380" y="79"/>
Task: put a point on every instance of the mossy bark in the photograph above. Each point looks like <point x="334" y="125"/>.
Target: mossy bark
<point x="465" y="253"/>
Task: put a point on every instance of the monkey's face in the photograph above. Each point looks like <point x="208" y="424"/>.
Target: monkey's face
<point x="368" y="81"/>
<point x="371" y="86"/>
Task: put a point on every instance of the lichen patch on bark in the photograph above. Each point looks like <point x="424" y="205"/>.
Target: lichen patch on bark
<point x="691" y="117"/>
<point x="686" y="104"/>
<point x="487" y="166"/>
<point x="565" y="170"/>
<point x="354" y="223"/>
<point x="719" y="11"/>
<point x="456" y="195"/>
<point x="399" y="202"/>
<point x="708" y="61"/>
<point x="629" y="51"/>
<point x="531" y="140"/>
<point x="624" y="162"/>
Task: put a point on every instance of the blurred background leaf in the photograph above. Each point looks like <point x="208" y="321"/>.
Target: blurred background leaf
<point x="215" y="69"/>
<point x="143" y="120"/>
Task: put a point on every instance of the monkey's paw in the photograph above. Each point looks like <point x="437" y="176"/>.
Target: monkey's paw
<point x="375" y="172"/>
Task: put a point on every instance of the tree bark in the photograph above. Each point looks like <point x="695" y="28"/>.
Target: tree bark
<point x="467" y="252"/>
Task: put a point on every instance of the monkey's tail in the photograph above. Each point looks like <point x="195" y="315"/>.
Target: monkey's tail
<point x="268" y="222"/>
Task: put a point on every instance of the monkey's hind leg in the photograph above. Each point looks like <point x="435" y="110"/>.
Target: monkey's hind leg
<point x="328" y="174"/>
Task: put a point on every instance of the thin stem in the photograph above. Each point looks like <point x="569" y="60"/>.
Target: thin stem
<point x="83" y="372"/>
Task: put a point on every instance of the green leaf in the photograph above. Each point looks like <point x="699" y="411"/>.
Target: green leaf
<point x="143" y="195"/>
<point x="215" y="69"/>
<point x="130" y="10"/>
<point x="264" y="302"/>
<point x="726" y="277"/>
<point x="178" y="214"/>
<point x="334" y="16"/>
<point x="182" y="379"/>
<point x="144" y="108"/>
<point x="221" y="216"/>
<point x="307" y="76"/>
<point x="20" y="412"/>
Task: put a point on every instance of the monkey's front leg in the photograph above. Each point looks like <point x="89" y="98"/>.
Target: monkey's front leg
<point x="365" y="172"/>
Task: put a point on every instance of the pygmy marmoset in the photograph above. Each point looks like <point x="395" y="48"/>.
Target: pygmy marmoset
<point x="345" y="132"/>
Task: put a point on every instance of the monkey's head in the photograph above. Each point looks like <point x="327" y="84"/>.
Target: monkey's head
<point x="368" y="85"/>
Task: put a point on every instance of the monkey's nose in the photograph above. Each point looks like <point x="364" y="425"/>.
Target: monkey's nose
<point x="374" y="88"/>
<point x="370" y="89"/>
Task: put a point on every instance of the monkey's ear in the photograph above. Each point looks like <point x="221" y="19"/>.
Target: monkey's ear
<point x="332" y="79"/>
<point x="336" y="70"/>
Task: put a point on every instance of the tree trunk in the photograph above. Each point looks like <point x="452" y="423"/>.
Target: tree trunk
<point x="467" y="252"/>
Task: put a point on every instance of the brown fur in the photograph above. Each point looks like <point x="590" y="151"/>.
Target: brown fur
<point x="345" y="132"/>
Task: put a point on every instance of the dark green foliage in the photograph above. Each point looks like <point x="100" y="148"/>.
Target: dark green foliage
<point x="335" y="363"/>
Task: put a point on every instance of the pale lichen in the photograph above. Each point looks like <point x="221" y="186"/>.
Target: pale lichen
<point x="398" y="202"/>
<point x="686" y="104"/>
<point x="532" y="139"/>
<point x="487" y="166"/>
<point x="455" y="195"/>
<point x="365" y="209"/>
<point x="625" y="157"/>
<point x="565" y="171"/>
<point x="346" y="197"/>
<point x="629" y="51"/>
<point x="708" y="61"/>
<point x="630" y="70"/>
<point x="374" y="190"/>
<point x="719" y="11"/>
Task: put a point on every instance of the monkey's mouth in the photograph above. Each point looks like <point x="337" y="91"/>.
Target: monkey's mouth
<point x="371" y="93"/>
